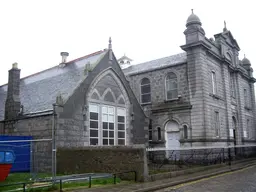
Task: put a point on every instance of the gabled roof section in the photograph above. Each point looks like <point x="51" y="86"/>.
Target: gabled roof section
<point x="156" y="64"/>
<point x="227" y="35"/>
<point x="39" y="91"/>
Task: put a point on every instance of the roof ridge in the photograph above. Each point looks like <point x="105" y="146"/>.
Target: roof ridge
<point x="72" y="61"/>
<point x="160" y="58"/>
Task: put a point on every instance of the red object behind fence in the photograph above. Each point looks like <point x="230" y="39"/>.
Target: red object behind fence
<point x="4" y="171"/>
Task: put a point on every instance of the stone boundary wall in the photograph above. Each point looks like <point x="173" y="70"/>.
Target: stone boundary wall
<point x="103" y="159"/>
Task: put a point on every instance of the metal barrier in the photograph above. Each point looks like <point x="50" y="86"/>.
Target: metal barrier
<point x="61" y="181"/>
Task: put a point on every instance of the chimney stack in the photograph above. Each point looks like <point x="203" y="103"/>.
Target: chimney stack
<point x="12" y="104"/>
<point x="64" y="56"/>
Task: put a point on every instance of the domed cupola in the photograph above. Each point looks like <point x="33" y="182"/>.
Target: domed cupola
<point x="246" y="62"/>
<point x="193" y="19"/>
<point x="194" y="31"/>
<point x="247" y="65"/>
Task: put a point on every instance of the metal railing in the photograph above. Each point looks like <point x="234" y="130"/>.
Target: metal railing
<point x="61" y="181"/>
<point x="177" y="158"/>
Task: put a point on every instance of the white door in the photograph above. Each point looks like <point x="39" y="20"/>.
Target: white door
<point x="172" y="143"/>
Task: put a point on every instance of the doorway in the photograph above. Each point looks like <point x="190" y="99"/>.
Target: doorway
<point x="172" y="135"/>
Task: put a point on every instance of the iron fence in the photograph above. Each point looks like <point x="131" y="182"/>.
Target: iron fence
<point x="163" y="159"/>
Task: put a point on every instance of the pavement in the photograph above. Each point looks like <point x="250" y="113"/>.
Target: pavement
<point x="167" y="183"/>
<point x="242" y="180"/>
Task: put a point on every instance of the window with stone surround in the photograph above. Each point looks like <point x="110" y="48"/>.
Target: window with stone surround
<point x="107" y="124"/>
<point x="214" y="83"/>
<point x="150" y="130"/>
<point x="216" y="123"/>
<point x="232" y="86"/>
<point x="94" y="124"/>
<point x="145" y="91"/>
<point x="185" y="129"/>
<point x="246" y="132"/>
<point x="246" y="98"/>
<point x="159" y="135"/>
<point x="171" y="86"/>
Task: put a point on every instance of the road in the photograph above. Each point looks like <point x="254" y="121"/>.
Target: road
<point x="243" y="180"/>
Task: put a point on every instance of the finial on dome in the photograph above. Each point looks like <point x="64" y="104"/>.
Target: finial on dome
<point x="244" y="56"/>
<point x="193" y="19"/>
<point x="109" y="43"/>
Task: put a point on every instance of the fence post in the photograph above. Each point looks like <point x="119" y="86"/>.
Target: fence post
<point x="24" y="187"/>
<point x="135" y="176"/>
<point x="60" y="185"/>
<point x="90" y="181"/>
<point x="114" y="178"/>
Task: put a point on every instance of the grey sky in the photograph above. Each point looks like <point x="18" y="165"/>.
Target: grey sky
<point x="33" y="33"/>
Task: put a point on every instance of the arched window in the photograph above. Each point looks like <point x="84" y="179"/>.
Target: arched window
<point x="185" y="129"/>
<point x="159" y="136"/>
<point x="145" y="91"/>
<point x="171" y="86"/>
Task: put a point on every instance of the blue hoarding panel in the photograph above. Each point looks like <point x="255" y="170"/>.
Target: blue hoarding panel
<point x="21" y="152"/>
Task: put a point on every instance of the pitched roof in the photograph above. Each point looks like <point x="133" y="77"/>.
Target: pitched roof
<point x="38" y="91"/>
<point x="156" y="64"/>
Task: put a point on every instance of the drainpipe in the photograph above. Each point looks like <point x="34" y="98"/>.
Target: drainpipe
<point x="53" y="144"/>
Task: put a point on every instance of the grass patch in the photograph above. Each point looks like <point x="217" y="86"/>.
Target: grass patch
<point x="26" y="177"/>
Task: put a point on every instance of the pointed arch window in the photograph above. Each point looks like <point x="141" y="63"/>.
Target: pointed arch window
<point x="171" y="86"/>
<point x="145" y="91"/>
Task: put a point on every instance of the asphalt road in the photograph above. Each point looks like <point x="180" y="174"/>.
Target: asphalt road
<point x="243" y="180"/>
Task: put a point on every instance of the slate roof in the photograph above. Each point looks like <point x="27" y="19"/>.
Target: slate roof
<point x="38" y="92"/>
<point x="156" y="64"/>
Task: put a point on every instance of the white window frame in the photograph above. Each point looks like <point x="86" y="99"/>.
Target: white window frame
<point x="107" y="114"/>
<point x="123" y="123"/>
<point x="167" y="87"/>
<point x="101" y="116"/>
<point x="98" y="129"/>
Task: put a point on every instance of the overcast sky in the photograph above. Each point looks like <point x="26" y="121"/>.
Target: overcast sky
<point x="33" y="32"/>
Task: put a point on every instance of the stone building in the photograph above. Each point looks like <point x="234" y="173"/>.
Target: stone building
<point x="87" y="101"/>
<point x="203" y="96"/>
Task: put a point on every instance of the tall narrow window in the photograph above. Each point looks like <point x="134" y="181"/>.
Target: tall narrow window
<point x="232" y="86"/>
<point x="94" y="124"/>
<point x="121" y="126"/>
<point x="171" y="86"/>
<point x="245" y="98"/>
<point x="185" y="129"/>
<point x="217" y="124"/>
<point x="150" y="131"/>
<point x="159" y="134"/>
<point x="145" y="91"/>
<point x="108" y="115"/>
<point x="246" y="132"/>
<point x="214" y="84"/>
